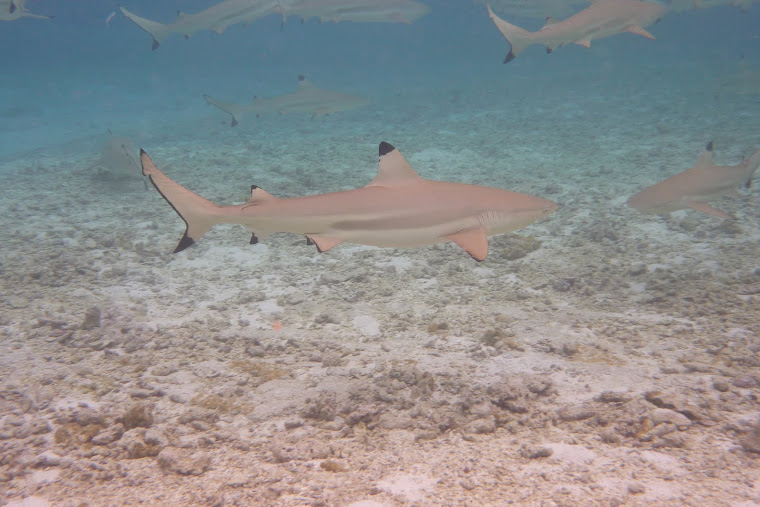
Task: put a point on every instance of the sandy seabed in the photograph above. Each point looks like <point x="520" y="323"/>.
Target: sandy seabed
<point x="598" y="357"/>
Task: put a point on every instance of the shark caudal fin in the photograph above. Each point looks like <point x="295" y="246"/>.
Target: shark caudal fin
<point x="517" y="37"/>
<point x="234" y="110"/>
<point x="155" y="29"/>
<point x="199" y="214"/>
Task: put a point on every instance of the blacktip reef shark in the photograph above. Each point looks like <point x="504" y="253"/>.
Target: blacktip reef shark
<point x="397" y="209"/>
<point x="601" y="19"/>
<point x="216" y="18"/>
<point x="306" y="99"/>
<point x="11" y="10"/>
<point x="357" y="11"/>
<point x="695" y="187"/>
<point x="229" y="12"/>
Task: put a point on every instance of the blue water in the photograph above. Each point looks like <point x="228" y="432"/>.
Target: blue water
<point x="73" y="77"/>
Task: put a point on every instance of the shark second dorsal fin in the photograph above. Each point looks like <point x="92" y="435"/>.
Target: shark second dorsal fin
<point x="705" y="159"/>
<point x="393" y="169"/>
<point x="258" y="196"/>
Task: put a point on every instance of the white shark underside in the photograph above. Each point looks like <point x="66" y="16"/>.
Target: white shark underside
<point x="697" y="186"/>
<point x="602" y="18"/>
<point x="397" y="209"/>
<point x="306" y="99"/>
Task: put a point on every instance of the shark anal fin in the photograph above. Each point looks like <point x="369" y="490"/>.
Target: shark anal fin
<point x="472" y="241"/>
<point x="637" y="30"/>
<point x="323" y="243"/>
<point x="709" y="210"/>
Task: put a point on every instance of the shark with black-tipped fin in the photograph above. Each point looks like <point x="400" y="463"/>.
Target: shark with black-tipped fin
<point x="602" y="18"/>
<point x="397" y="209"/>
<point x="11" y="10"/>
<point x="697" y="186"/>
<point x="230" y="12"/>
<point x="306" y="99"/>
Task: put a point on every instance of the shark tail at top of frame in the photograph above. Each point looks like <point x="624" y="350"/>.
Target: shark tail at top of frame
<point x="157" y="30"/>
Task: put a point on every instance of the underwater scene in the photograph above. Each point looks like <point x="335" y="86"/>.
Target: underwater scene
<point x="375" y="253"/>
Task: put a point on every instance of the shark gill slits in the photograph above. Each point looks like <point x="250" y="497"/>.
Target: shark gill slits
<point x="385" y="148"/>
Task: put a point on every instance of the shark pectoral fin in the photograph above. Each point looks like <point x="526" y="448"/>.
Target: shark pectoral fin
<point x="637" y="30"/>
<point x="324" y="243"/>
<point x="709" y="210"/>
<point x="472" y="241"/>
<point x="586" y="43"/>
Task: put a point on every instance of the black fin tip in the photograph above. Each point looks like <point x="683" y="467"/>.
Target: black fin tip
<point x="385" y="148"/>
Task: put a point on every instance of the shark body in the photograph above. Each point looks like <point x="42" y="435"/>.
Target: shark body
<point x="397" y="209"/>
<point x="602" y="18"/>
<point x="216" y="18"/>
<point x="11" y="10"/>
<point x="229" y="12"/>
<point x="306" y="99"/>
<point x="695" y="187"/>
<point x="357" y="11"/>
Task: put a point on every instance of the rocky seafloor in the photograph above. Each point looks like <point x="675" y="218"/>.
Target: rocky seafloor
<point x="599" y="357"/>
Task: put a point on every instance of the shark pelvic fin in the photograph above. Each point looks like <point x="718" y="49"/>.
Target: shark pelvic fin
<point x="472" y="241"/>
<point x="709" y="210"/>
<point x="323" y="243"/>
<point x="393" y="168"/>
<point x="637" y="30"/>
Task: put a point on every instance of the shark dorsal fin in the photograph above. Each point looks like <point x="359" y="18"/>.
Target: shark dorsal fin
<point x="549" y="22"/>
<point x="393" y="169"/>
<point x="705" y="159"/>
<point x="303" y="82"/>
<point x="258" y="196"/>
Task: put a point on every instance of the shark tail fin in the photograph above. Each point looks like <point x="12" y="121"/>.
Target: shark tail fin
<point x="155" y="29"/>
<point x="229" y="108"/>
<point x="199" y="214"/>
<point x="517" y="37"/>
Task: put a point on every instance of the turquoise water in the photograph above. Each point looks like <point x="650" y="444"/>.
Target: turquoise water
<point x="600" y="356"/>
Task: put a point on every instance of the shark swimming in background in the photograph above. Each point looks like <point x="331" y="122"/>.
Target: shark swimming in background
<point x="230" y="12"/>
<point x="216" y="18"/>
<point x="306" y="99"/>
<point x="397" y="209"/>
<point x="11" y="10"/>
<point x="357" y="11"/>
<point x="695" y="187"/>
<point x="601" y="19"/>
